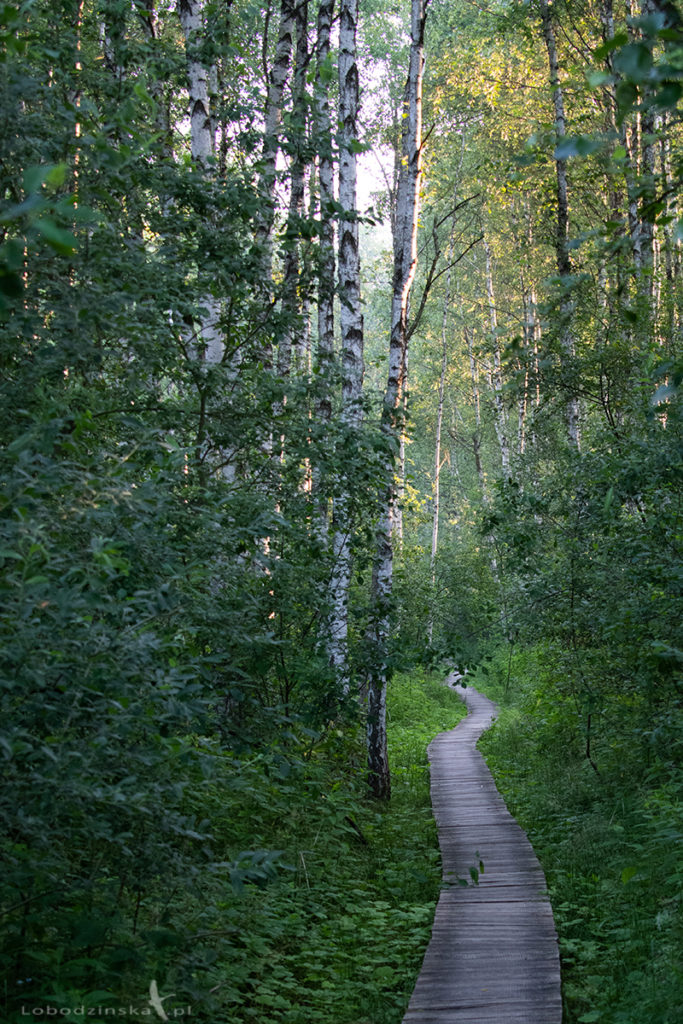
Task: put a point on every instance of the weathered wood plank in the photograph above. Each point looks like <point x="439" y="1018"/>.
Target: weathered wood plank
<point x="492" y="957"/>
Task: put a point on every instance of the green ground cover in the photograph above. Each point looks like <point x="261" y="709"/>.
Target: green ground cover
<point x="316" y="903"/>
<point x="608" y="836"/>
<point x="339" y="935"/>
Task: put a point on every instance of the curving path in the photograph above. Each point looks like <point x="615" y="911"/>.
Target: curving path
<point x="493" y="956"/>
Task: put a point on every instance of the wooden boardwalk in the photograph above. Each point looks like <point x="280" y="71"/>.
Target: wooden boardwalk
<point x="493" y="956"/>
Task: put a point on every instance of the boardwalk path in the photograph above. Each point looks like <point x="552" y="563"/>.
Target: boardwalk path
<point x="492" y="957"/>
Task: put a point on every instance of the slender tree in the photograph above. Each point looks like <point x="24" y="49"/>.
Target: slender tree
<point x="564" y="266"/>
<point x="495" y="376"/>
<point x="405" y="265"/>
<point x="351" y="324"/>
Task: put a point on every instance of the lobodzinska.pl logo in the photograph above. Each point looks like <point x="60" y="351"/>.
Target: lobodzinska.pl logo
<point x="155" y="1008"/>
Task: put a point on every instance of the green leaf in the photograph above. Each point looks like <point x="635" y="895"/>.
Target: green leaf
<point x="610" y="46"/>
<point x="578" y="145"/>
<point x="56" y="175"/>
<point x="596" y="79"/>
<point x="668" y="96"/>
<point x="634" y="62"/>
<point x="57" y="238"/>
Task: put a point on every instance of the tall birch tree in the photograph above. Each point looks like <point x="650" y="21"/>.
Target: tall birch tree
<point x="564" y="266"/>
<point x="405" y="266"/>
<point x="351" y="326"/>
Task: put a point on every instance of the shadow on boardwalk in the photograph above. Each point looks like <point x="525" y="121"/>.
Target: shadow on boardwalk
<point x="493" y="956"/>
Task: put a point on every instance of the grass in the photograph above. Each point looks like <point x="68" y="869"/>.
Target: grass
<point x="609" y="842"/>
<point x="333" y="927"/>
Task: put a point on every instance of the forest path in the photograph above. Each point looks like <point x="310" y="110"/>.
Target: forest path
<point x="493" y="955"/>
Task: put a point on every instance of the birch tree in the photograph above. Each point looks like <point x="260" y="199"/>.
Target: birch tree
<point x="564" y="266"/>
<point x="436" y="483"/>
<point x="351" y="326"/>
<point x="323" y="125"/>
<point x="405" y="265"/>
<point x="272" y="117"/>
<point x="207" y="341"/>
<point x="326" y="260"/>
<point x="291" y="343"/>
<point x="495" y="375"/>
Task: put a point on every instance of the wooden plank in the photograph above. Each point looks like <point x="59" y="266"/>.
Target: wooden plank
<point x="493" y="956"/>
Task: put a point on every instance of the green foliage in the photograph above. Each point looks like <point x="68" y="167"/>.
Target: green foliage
<point x="608" y="843"/>
<point x="167" y="714"/>
<point x="282" y="894"/>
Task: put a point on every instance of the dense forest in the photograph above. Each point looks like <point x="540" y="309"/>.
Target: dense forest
<point x="339" y="348"/>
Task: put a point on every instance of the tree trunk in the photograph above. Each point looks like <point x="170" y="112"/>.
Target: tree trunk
<point x="564" y="267"/>
<point x="405" y="264"/>
<point x="277" y="79"/>
<point x="326" y="259"/>
<point x="208" y="341"/>
<point x="292" y="341"/>
<point x="397" y="510"/>
<point x="647" y="188"/>
<point x="495" y="373"/>
<point x="323" y="124"/>
<point x="476" y="439"/>
<point x="351" y="324"/>
<point x="436" y="487"/>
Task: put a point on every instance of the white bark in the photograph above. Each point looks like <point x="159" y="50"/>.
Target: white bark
<point x="277" y="80"/>
<point x="202" y="140"/>
<point x="397" y="509"/>
<point x="405" y="264"/>
<point x="325" y="348"/>
<point x="292" y="343"/>
<point x="436" y="486"/>
<point x="350" y="316"/>
<point x="476" y="440"/>
<point x="208" y="343"/>
<point x="564" y="267"/>
<point x="495" y="372"/>
<point x="323" y="124"/>
<point x="351" y="323"/>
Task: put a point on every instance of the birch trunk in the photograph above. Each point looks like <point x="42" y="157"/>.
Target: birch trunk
<point x="648" y="189"/>
<point x="476" y="439"/>
<point x="529" y="359"/>
<point x="208" y="342"/>
<point x="351" y="324"/>
<point x="405" y="264"/>
<point x="564" y="267"/>
<point x="436" y="490"/>
<point x="323" y="124"/>
<point x="277" y="79"/>
<point x="292" y="341"/>
<point x="495" y="374"/>
<point x="397" y="510"/>
<point x="326" y="259"/>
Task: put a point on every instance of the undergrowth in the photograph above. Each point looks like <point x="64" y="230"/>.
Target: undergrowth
<point x="311" y="902"/>
<point x="608" y="834"/>
<point x="340" y="935"/>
